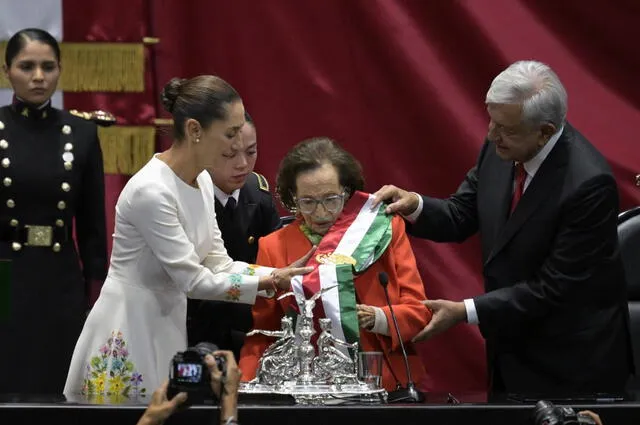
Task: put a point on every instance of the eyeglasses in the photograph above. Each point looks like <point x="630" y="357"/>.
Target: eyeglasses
<point x="332" y="203"/>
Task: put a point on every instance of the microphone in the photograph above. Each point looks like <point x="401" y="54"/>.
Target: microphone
<point x="410" y="394"/>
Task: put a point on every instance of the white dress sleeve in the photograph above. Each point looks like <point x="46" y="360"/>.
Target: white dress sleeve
<point x="219" y="262"/>
<point x="154" y="213"/>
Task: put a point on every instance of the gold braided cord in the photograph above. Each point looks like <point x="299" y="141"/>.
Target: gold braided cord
<point x="125" y="149"/>
<point x="97" y="67"/>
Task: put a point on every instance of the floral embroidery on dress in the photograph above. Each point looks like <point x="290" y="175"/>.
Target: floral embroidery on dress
<point x="251" y="269"/>
<point x="111" y="373"/>
<point x="234" y="293"/>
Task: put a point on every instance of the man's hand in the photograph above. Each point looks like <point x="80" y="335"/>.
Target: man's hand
<point x="160" y="408"/>
<point x="446" y="314"/>
<point x="401" y="201"/>
<point x="366" y="316"/>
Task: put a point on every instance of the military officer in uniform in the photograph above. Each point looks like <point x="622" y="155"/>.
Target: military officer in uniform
<point x="245" y="211"/>
<point x="51" y="178"/>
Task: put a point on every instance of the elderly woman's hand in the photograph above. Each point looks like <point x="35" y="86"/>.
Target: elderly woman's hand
<point x="366" y="316"/>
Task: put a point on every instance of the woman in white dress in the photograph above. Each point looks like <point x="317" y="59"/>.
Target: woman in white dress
<point x="167" y="247"/>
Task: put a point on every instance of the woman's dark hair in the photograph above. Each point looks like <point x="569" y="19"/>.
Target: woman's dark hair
<point x="311" y="154"/>
<point x="203" y="98"/>
<point x="248" y="118"/>
<point x="20" y="39"/>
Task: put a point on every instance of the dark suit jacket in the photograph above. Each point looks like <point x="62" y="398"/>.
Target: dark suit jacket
<point x="256" y="215"/>
<point x="554" y="314"/>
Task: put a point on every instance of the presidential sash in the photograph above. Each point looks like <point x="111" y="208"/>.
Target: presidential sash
<point x="358" y="238"/>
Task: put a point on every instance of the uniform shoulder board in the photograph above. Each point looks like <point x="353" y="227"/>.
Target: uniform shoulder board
<point x="263" y="184"/>
<point x="101" y="118"/>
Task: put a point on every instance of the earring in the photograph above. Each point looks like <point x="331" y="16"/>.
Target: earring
<point x="197" y="140"/>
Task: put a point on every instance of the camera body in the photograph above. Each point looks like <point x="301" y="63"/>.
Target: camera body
<point x="546" y="413"/>
<point x="189" y="373"/>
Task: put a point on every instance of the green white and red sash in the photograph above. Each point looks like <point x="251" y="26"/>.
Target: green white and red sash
<point x="360" y="235"/>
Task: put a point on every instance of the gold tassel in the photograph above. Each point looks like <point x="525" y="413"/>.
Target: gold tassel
<point x="126" y="149"/>
<point x="102" y="67"/>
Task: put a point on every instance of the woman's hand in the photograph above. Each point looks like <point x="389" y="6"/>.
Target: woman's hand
<point x="366" y="316"/>
<point x="281" y="278"/>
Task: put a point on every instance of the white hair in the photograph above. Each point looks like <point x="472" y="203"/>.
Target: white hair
<point x="536" y="87"/>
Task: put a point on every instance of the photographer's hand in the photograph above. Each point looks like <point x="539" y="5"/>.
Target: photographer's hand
<point x="225" y="387"/>
<point x="592" y="415"/>
<point x="160" y="408"/>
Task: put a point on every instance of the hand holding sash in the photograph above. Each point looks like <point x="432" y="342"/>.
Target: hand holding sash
<point x="400" y="201"/>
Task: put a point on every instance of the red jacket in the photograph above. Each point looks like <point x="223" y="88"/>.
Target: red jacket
<point x="406" y="290"/>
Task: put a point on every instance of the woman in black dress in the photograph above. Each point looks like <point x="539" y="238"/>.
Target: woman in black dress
<point x="51" y="178"/>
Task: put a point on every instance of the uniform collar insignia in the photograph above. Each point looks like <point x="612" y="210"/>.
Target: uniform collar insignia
<point x="34" y="112"/>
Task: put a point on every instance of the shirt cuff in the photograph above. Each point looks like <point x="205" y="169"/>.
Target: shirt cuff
<point x="472" y="314"/>
<point x="413" y="217"/>
<point x="245" y="293"/>
<point x="381" y="325"/>
<point x="256" y="270"/>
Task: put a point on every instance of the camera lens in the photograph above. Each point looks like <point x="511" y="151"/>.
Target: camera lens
<point x="205" y="348"/>
<point x="545" y="414"/>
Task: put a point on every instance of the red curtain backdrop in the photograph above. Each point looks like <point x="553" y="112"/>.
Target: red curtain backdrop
<point x="113" y="21"/>
<point x="400" y="84"/>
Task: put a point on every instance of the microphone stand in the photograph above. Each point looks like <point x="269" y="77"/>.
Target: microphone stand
<point x="410" y="394"/>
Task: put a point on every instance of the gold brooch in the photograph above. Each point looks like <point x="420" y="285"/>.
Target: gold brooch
<point x="333" y="258"/>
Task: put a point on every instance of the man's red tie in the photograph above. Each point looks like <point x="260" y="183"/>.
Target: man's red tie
<point x="521" y="176"/>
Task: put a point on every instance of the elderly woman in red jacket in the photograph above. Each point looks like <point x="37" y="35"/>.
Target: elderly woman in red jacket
<point x="322" y="183"/>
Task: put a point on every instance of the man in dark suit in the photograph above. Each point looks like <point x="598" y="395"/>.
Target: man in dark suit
<point x="545" y="202"/>
<point x="245" y="211"/>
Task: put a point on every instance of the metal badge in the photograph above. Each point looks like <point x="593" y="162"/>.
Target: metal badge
<point x="39" y="235"/>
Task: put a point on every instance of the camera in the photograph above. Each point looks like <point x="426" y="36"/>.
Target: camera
<point x="546" y="413"/>
<point x="189" y="373"/>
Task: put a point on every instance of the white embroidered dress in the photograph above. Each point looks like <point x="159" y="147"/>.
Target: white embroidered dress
<point x="166" y="246"/>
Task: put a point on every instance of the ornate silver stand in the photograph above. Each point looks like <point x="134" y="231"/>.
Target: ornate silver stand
<point x="290" y="365"/>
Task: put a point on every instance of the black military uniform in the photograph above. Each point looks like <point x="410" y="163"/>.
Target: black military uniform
<point x="255" y="215"/>
<point x="51" y="174"/>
